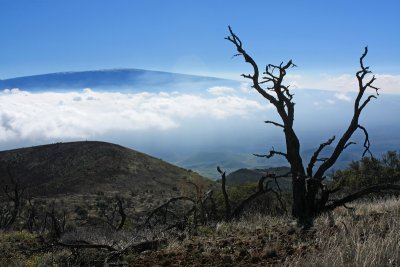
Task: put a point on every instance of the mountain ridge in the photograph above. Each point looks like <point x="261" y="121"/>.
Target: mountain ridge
<point x="89" y="167"/>
<point x="106" y="78"/>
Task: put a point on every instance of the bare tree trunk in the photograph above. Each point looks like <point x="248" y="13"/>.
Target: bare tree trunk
<point x="310" y="195"/>
<point x="226" y="198"/>
<point x="121" y="212"/>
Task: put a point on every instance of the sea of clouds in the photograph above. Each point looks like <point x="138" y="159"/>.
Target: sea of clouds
<point x="217" y="117"/>
<point x="87" y="113"/>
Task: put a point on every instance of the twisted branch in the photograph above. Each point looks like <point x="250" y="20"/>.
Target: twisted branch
<point x="354" y="125"/>
<point x="314" y="157"/>
<point x="271" y="154"/>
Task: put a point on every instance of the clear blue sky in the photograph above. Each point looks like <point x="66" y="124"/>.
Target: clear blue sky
<point x="42" y="36"/>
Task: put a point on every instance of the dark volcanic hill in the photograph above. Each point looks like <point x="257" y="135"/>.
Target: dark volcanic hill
<point x="91" y="167"/>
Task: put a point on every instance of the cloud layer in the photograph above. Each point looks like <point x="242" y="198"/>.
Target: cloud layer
<point x="82" y="114"/>
<point x="388" y="83"/>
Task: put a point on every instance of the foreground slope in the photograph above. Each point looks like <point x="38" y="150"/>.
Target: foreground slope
<point x="366" y="234"/>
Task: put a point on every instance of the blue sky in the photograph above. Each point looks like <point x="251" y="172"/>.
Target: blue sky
<point x="324" y="38"/>
<point x="42" y="36"/>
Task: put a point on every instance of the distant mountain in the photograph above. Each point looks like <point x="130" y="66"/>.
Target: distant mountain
<point x="245" y="175"/>
<point x="206" y="162"/>
<point x="105" y="79"/>
<point x="203" y="142"/>
<point x="246" y="167"/>
<point x="91" y="167"/>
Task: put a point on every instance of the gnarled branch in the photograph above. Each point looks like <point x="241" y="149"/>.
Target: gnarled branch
<point x="367" y="144"/>
<point x="233" y="38"/>
<point x="275" y="123"/>
<point x="314" y="157"/>
<point x="83" y="244"/>
<point x="163" y="209"/>
<point x="226" y="198"/>
<point x="354" y="125"/>
<point x="361" y="193"/>
<point x="271" y="154"/>
<point x="261" y="190"/>
<point x="121" y="212"/>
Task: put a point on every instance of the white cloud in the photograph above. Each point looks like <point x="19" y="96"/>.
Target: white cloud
<point x="220" y="90"/>
<point x="245" y="87"/>
<point x="388" y="83"/>
<point x="324" y="103"/>
<point x="12" y="91"/>
<point x="51" y="115"/>
<point x="343" y="82"/>
<point x="316" y="103"/>
<point x="343" y="97"/>
<point x="348" y="83"/>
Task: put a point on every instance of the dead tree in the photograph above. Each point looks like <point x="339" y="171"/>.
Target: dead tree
<point x="57" y="222"/>
<point x="183" y="212"/>
<point x="199" y="201"/>
<point x="209" y="205"/>
<point x="112" y="211"/>
<point x="121" y="212"/>
<point x="226" y="198"/>
<point x="262" y="189"/>
<point x="168" y="217"/>
<point x="31" y="218"/>
<point x="310" y="195"/>
<point x="14" y="192"/>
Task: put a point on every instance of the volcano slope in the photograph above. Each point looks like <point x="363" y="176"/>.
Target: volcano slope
<point x="75" y="170"/>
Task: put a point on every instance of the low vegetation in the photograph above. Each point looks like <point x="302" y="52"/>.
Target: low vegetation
<point x="364" y="234"/>
<point x="370" y="171"/>
<point x="195" y="228"/>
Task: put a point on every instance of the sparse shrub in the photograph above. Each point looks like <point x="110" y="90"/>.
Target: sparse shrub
<point x="112" y="210"/>
<point x="267" y="203"/>
<point x="12" y="243"/>
<point x="131" y="257"/>
<point x="56" y="258"/>
<point x="82" y="213"/>
<point x="370" y="171"/>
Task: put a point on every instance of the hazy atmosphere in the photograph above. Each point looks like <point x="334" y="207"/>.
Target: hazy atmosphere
<point x="175" y="119"/>
<point x="199" y="133"/>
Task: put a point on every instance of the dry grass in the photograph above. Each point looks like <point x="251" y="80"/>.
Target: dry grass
<point x="366" y="236"/>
